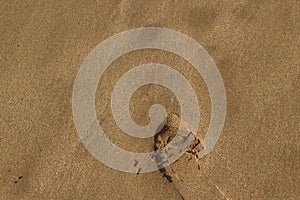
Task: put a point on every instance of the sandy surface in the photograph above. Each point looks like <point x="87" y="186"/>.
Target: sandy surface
<point x="255" y="45"/>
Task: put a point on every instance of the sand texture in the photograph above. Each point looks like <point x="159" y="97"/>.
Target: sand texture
<point x="254" y="43"/>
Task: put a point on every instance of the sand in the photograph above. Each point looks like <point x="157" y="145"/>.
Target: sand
<point x="255" y="45"/>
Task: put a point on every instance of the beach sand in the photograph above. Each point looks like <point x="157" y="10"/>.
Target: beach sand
<point x="255" y="45"/>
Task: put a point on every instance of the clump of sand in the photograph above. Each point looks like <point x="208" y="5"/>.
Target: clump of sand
<point x="167" y="133"/>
